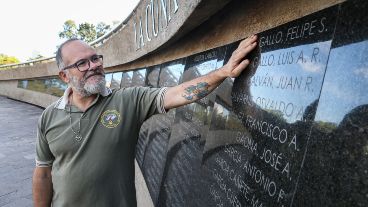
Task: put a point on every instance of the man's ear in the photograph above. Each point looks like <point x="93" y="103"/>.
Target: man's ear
<point x="63" y="76"/>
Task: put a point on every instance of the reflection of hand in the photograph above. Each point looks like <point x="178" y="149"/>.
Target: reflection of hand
<point x="236" y="63"/>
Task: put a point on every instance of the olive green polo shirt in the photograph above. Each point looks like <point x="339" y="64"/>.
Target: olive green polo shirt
<point x="98" y="170"/>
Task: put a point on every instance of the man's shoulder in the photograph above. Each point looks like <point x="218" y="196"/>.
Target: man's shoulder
<point x="54" y="105"/>
<point x="47" y="114"/>
<point x="49" y="109"/>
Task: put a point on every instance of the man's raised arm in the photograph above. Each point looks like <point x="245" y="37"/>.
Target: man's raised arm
<point x="198" y="88"/>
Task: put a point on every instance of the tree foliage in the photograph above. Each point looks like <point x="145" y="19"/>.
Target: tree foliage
<point x="84" y="31"/>
<point x="5" y="59"/>
<point x="101" y="29"/>
<point x="87" y="32"/>
<point x="69" y="31"/>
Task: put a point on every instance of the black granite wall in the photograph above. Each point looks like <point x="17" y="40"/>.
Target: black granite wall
<point x="292" y="130"/>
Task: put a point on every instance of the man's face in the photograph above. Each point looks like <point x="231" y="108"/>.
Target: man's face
<point x="88" y="82"/>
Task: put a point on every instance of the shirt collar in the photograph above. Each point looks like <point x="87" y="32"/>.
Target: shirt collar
<point x="63" y="101"/>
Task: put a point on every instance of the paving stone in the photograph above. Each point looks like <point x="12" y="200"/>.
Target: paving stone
<point x="17" y="146"/>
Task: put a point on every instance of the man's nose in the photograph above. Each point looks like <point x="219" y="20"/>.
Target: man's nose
<point x="94" y="66"/>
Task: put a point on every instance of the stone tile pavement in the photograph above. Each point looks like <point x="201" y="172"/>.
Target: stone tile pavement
<point x="18" y="123"/>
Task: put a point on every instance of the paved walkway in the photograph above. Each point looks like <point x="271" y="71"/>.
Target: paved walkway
<point x="18" y="123"/>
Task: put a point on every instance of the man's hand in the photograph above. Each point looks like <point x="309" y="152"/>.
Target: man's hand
<point x="42" y="187"/>
<point x="237" y="63"/>
<point x="198" y="88"/>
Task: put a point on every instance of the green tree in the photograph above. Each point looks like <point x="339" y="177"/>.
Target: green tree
<point x="101" y="29"/>
<point x="87" y="32"/>
<point x="69" y="31"/>
<point x="5" y="59"/>
<point x="84" y="31"/>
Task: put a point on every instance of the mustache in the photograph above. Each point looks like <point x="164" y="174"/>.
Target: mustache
<point x="92" y="73"/>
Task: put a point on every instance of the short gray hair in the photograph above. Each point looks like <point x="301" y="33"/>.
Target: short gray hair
<point x="59" y="56"/>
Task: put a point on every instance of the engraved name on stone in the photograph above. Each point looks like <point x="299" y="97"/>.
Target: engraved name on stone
<point x="262" y="165"/>
<point x="157" y="15"/>
<point x="295" y="32"/>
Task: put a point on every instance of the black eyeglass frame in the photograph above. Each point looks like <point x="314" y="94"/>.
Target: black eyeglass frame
<point x="89" y="60"/>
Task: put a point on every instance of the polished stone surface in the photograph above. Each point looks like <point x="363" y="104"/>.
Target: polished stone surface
<point x="108" y="78"/>
<point x="152" y="75"/>
<point x="126" y="80"/>
<point x="139" y="77"/>
<point x="116" y="80"/>
<point x="259" y="134"/>
<point x="335" y="170"/>
<point x="188" y="135"/>
<point x="155" y="133"/>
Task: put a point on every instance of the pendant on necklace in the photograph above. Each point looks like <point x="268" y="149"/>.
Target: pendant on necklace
<point x="78" y="138"/>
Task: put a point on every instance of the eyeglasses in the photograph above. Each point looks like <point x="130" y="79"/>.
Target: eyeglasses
<point x="84" y="64"/>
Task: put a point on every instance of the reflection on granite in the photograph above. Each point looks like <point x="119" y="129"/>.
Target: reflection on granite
<point x="139" y="77"/>
<point x="126" y="80"/>
<point x="171" y="73"/>
<point x="335" y="171"/>
<point x="259" y="136"/>
<point x="155" y="133"/>
<point x="152" y="76"/>
<point x="188" y="134"/>
<point x="116" y="80"/>
<point x="108" y="77"/>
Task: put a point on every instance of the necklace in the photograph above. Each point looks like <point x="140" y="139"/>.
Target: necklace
<point x="78" y="137"/>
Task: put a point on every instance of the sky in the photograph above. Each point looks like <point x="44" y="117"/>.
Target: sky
<point x="31" y="27"/>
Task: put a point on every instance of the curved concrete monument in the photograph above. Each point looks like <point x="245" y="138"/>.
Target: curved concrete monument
<point x="292" y="130"/>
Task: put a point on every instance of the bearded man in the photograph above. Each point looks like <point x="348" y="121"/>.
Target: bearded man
<point x="86" y="140"/>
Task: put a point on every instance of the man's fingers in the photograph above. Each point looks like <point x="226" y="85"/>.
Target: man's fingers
<point x="245" y="47"/>
<point x="237" y="63"/>
<point x="245" y="43"/>
<point x="248" y="41"/>
<point x="236" y="72"/>
<point x="244" y="51"/>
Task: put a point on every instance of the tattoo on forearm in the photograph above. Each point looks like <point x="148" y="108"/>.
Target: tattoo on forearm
<point x="200" y="91"/>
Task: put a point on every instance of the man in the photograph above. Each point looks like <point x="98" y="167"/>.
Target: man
<point x="86" y="140"/>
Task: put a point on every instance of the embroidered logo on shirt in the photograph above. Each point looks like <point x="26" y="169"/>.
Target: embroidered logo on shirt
<point x="110" y="118"/>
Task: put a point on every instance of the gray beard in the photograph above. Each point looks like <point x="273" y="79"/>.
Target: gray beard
<point x="86" y="89"/>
